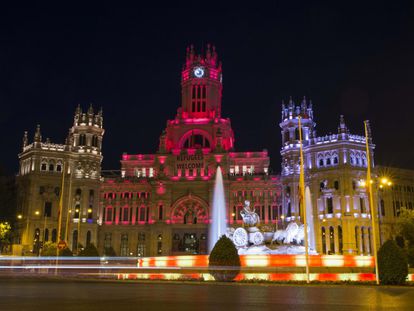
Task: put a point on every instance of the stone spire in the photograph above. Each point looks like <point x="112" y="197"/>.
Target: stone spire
<point x="25" y="139"/>
<point x="342" y="128"/>
<point x="37" y="135"/>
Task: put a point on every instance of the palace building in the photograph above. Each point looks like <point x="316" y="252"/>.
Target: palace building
<point x="160" y="203"/>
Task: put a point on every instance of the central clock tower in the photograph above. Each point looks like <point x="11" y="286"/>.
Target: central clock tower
<point x="201" y="85"/>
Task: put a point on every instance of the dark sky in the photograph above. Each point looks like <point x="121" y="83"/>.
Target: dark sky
<point x="355" y="59"/>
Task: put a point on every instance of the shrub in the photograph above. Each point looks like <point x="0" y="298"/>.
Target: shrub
<point x="49" y="249"/>
<point x="89" y="251"/>
<point x="392" y="264"/>
<point x="224" y="254"/>
<point x="410" y="256"/>
<point x="66" y="252"/>
<point x="109" y="251"/>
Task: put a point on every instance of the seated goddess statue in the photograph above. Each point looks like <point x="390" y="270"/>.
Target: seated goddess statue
<point x="250" y="217"/>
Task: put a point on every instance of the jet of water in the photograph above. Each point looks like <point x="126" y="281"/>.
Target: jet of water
<point x="218" y="215"/>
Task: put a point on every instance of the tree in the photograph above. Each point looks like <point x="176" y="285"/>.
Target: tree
<point x="89" y="251"/>
<point x="5" y="230"/>
<point x="392" y="264"/>
<point x="224" y="254"/>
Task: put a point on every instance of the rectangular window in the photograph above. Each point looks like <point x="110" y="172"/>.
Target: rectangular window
<point x="362" y="205"/>
<point x="48" y="209"/>
<point x="160" y="212"/>
<point x="109" y="214"/>
<point x="142" y="214"/>
<point x="125" y="216"/>
<point x="329" y="205"/>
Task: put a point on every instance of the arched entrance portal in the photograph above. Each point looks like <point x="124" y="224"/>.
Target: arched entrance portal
<point x="189" y="216"/>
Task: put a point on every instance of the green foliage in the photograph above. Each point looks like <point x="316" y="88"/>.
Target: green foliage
<point x="66" y="252"/>
<point x="407" y="225"/>
<point x="410" y="256"/>
<point x="392" y="264"/>
<point x="224" y="254"/>
<point x="109" y="252"/>
<point x="5" y="235"/>
<point x="400" y="241"/>
<point x="49" y="249"/>
<point x="89" y="251"/>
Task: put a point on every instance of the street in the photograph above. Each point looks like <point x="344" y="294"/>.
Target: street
<point x="40" y="294"/>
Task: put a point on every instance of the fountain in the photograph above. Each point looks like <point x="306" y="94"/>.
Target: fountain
<point x="218" y="220"/>
<point x="250" y="240"/>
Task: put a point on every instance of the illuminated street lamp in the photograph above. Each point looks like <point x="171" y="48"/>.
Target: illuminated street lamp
<point x="20" y="216"/>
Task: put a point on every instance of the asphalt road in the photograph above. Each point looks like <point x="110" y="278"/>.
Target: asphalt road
<point x="18" y="294"/>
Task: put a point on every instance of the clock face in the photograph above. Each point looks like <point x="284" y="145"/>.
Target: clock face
<point x="199" y="72"/>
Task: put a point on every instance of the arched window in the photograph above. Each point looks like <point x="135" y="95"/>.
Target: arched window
<point x="357" y="239"/>
<point x="59" y="167"/>
<point x="336" y="185"/>
<point x="107" y="240"/>
<point x="369" y="241"/>
<point x="141" y="244"/>
<point x="82" y="140"/>
<point x="51" y="166"/>
<point x="323" y="240"/>
<point x="340" y="242"/>
<point x="124" y="244"/>
<point x="46" y="237"/>
<point x="54" y="235"/>
<point x="43" y="166"/>
<point x="363" y="240"/>
<point x="94" y="141"/>
<point x="297" y="133"/>
<point x="196" y="141"/>
<point x="328" y="161"/>
<point x="88" y="238"/>
<point x="382" y="207"/>
<point x="75" y="240"/>
<point x="320" y="162"/>
<point x="335" y="159"/>
<point x="286" y="136"/>
<point x="331" y="240"/>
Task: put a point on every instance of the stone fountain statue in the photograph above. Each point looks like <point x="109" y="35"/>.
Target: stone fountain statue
<point x="249" y="239"/>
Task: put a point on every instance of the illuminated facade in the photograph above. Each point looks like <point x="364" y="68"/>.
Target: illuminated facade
<point x="335" y="165"/>
<point x="159" y="204"/>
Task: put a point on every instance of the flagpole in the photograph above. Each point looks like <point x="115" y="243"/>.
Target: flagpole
<point x="69" y="205"/>
<point x="303" y="205"/>
<point x="62" y="188"/>
<point x="371" y="201"/>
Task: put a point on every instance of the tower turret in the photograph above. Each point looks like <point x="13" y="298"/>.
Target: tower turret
<point x="85" y="138"/>
<point x="201" y="81"/>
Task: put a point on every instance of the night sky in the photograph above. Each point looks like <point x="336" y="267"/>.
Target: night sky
<point x="354" y="59"/>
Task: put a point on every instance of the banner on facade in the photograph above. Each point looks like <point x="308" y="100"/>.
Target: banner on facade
<point x="186" y="161"/>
